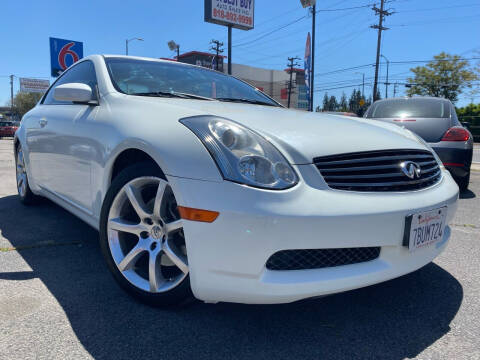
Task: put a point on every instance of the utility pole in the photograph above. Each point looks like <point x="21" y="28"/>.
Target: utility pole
<point x="395" y="89"/>
<point x="386" y="83"/>
<point x="216" y="47"/>
<point x="381" y="15"/>
<point x="11" y="96"/>
<point x="291" y="65"/>
<point x="312" y="74"/>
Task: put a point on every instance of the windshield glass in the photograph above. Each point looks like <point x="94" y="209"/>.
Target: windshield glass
<point x="133" y="76"/>
<point x="411" y="108"/>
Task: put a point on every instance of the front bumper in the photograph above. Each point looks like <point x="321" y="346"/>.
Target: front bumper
<point x="227" y="257"/>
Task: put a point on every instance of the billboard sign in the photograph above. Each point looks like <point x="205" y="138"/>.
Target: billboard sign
<point x="33" y="85"/>
<point x="235" y="13"/>
<point x="64" y="53"/>
<point x="308" y="68"/>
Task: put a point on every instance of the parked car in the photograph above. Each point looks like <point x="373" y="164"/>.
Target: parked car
<point x="435" y="120"/>
<point x="200" y="184"/>
<point x="7" y="129"/>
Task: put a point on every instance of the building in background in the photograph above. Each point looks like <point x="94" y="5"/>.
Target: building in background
<point x="299" y="98"/>
<point x="272" y="82"/>
<point x="275" y="83"/>
<point x="204" y="59"/>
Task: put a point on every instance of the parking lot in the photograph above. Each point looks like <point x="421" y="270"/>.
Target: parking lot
<point x="58" y="300"/>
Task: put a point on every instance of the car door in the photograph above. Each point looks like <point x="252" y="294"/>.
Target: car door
<point x="64" y="145"/>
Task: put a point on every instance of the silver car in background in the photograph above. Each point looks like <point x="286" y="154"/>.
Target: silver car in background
<point x="435" y="120"/>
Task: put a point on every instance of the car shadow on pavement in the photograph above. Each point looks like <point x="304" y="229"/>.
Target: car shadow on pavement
<point x="395" y="320"/>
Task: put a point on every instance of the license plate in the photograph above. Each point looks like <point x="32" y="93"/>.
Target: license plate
<point x="424" y="228"/>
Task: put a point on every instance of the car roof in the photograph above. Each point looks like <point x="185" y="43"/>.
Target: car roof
<point x="413" y="98"/>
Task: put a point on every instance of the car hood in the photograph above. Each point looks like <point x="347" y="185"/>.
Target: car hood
<point x="300" y="135"/>
<point x="303" y="135"/>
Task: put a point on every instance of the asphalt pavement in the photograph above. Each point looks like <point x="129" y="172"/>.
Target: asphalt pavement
<point x="58" y="301"/>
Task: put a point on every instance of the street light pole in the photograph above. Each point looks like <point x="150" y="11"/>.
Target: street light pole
<point x="386" y="83"/>
<point x="363" y="83"/>
<point x="128" y="40"/>
<point x="11" y="96"/>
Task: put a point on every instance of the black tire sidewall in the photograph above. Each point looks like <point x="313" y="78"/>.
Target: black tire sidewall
<point x="177" y="295"/>
<point x="29" y="197"/>
<point x="464" y="182"/>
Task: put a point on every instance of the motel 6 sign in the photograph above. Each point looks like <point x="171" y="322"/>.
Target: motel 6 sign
<point x="64" y="53"/>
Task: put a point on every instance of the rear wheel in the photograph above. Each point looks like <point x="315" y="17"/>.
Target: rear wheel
<point x="141" y="235"/>
<point x="25" y="194"/>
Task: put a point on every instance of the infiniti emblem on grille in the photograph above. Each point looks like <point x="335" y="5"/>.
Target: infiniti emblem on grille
<point x="411" y="169"/>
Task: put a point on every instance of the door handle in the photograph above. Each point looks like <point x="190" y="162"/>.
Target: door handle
<point x="43" y="122"/>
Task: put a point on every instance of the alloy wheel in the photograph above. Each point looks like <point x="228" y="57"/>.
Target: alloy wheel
<point x="145" y="235"/>
<point x="21" y="173"/>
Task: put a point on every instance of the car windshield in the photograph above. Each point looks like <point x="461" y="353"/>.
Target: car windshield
<point x="161" y="78"/>
<point x="411" y="108"/>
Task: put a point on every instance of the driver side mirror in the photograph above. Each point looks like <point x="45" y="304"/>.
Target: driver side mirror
<point x="74" y="92"/>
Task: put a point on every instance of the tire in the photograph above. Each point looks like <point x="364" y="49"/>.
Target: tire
<point x="25" y="194"/>
<point x="463" y="182"/>
<point x="142" y="237"/>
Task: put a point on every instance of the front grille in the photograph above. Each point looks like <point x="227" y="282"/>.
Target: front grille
<point x="320" y="258"/>
<point x="378" y="170"/>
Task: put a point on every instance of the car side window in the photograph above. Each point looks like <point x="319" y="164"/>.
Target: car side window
<point x="83" y="73"/>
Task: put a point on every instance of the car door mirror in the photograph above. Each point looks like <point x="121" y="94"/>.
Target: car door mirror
<point x="74" y="92"/>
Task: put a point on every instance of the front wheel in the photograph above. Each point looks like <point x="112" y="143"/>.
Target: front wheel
<point x="24" y="193"/>
<point x="142" y="239"/>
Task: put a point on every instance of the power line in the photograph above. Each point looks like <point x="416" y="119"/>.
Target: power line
<point x="273" y="31"/>
<point x="343" y="9"/>
<point x="440" y="8"/>
<point x="299" y="19"/>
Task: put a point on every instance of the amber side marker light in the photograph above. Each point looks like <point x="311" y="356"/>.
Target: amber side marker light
<point x="197" y="214"/>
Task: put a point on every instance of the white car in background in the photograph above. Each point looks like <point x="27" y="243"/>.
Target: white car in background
<point x="200" y="184"/>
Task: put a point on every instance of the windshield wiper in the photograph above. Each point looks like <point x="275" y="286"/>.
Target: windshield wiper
<point x="248" y="101"/>
<point x="172" y="94"/>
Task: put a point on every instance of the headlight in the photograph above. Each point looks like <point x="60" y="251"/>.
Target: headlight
<point x="241" y="154"/>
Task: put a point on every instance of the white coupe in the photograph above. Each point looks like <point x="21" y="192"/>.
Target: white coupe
<point x="200" y="184"/>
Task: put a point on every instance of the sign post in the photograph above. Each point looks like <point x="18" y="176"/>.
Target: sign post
<point x="239" y="14"/>
<point x="308" y="68"/>
<point x="64" y="53"/>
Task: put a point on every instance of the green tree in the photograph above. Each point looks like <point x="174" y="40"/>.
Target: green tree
<point x="332" y="103"/>
<point x="23" y="102"/>
<point x="470" y="114"/>
<point x="343" y="106"/>
<point x="446" y="76"/>
<point x="325" y="102"/>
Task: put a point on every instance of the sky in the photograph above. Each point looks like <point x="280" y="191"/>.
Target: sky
<point x="419" y="29"/>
